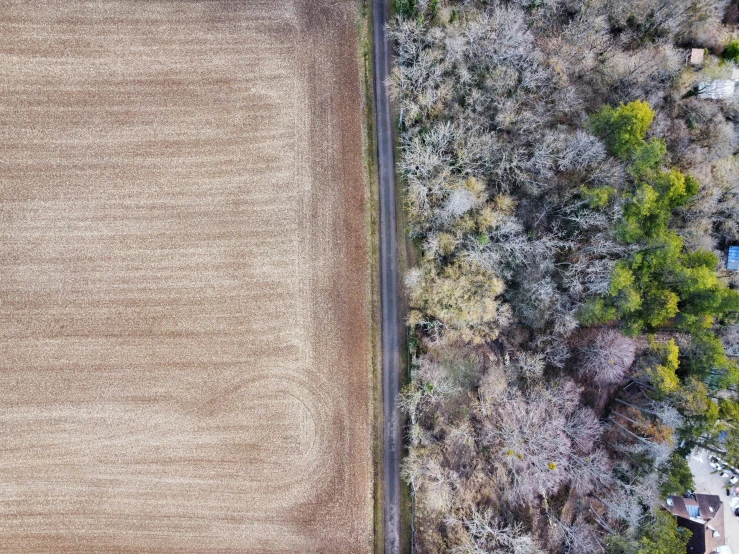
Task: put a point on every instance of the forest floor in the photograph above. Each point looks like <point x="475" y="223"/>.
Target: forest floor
<point x="185" y="308"/>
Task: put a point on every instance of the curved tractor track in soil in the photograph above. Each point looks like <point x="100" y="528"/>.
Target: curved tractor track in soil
<point x="185" y="360"/>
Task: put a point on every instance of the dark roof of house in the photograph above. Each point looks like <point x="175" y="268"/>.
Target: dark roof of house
<point x="707" y="504"/>
<point x="676" y="505"/>
<point x="697" y="515"/>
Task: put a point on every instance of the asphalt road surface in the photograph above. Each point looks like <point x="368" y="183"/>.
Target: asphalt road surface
<point x="389" y="280"/>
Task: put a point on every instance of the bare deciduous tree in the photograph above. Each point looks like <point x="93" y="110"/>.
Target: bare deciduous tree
<point x="573" y="538"/>
<point x="528" y="437"/>
<point x="483" y="533"/>
<point x="606" y="357"/>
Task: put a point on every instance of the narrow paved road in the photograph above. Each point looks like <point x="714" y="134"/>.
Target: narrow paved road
<point x="389" y="281"/>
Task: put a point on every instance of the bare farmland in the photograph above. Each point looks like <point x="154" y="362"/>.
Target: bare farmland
<point x="184" y="342"/>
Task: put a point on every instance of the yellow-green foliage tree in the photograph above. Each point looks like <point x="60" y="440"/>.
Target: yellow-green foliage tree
<point x="662" y="283"/>
<point x="663" y="373"/>
<point x="623" y="128"/>
<point x="462" y="297"/>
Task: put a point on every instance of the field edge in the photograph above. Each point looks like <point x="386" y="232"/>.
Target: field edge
<point x="372" y="192"/>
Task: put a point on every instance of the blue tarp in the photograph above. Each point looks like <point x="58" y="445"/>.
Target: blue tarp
<point x="733" y="262"/>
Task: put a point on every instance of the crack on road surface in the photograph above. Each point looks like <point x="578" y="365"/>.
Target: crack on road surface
<point x="393" y="426"/>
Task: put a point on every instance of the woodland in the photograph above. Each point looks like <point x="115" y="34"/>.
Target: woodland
<point x="572" y="195"/>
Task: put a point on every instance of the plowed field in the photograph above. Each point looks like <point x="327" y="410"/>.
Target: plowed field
<point x="184" y="315"/>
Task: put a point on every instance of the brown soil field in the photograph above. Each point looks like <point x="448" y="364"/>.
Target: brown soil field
<point x="184" y="298"/>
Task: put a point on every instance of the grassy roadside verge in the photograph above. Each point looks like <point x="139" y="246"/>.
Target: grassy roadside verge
<point x="369" y="139"/>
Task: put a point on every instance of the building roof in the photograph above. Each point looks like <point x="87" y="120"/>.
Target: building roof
<point x="716" y="90"/>
<point x="696" y="56"/>
<point x="697" y="515"/>
<point x="704" y="506"/>
<point x="708" y="504"/>
<point x="733" y="260"/>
